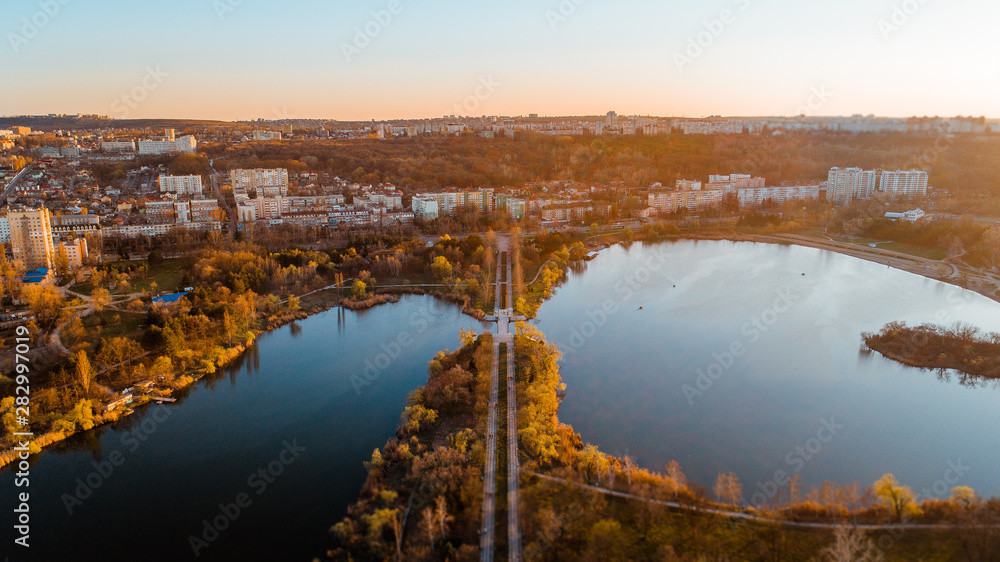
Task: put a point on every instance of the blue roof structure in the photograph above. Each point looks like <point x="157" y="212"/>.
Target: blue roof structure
<point x="166" y="299"/>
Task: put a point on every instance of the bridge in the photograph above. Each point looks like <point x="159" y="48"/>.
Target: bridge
<point x="504" y="316"/>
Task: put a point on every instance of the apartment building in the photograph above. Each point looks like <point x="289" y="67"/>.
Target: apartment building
<point x="181" y="185"/>
<point x="672" y="201"/>
<point x="755" y="196"/>
<point x="732" y="183"/>
<point x="846" y="184"/>
<point x="904" y="183"/>
<point x="259" y="178"/>
<point x="169" y="143"/>
<point x="31" y="238"/>
<point x="118" y="146"/>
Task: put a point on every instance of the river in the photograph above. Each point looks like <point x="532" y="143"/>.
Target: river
<point x="288" y="406"/>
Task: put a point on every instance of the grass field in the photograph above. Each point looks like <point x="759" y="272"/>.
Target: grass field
<point x="112" y="324"/>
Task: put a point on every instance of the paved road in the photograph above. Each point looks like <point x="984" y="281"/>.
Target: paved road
<point x="13" y="183"/>
<point x="505" y="315"/>
<point x="487" y="539"/>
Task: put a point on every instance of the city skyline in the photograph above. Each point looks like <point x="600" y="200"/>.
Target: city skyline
<point x="236" y="60"/>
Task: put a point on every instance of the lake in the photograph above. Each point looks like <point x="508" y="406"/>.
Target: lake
<point x="746" y="357"/>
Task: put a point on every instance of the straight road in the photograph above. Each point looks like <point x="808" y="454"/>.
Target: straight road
<point x="504" y="308"/>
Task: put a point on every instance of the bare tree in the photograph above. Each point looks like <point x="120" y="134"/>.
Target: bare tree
<point x="851" y="545"/>
<point x="427" y="524"/>
<point x="728" y="488"/>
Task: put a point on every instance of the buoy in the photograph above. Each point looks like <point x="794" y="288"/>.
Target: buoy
<point x="640" y="308"/>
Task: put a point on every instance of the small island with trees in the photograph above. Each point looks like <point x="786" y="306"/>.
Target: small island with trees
<point x="962" y="348"/>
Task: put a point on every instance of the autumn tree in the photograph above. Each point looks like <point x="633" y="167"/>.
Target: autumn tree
<point x="899" y="499"/>
<point x="441" y="268"/>
<point x="84" y="371"/>
<point x="728" y="488"/>
<point x="100" y="299"/>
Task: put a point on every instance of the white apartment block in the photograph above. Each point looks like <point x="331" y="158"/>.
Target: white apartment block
<point x="846" y="184"/>
<point x="688" y="185"/>
<point x="755" y="196"/>
<point x="425" y="207"/>
<point x="259" y="178"/>
<point x="4" y="230"/>
<point x="266" y="135"/>
<point x="900" y="183"/>
<point x="732" y="183"/>
<point x="76" y="252"/>
<point x="181" y="185"/>
<point x="118" y="146"/>
<point x="168" y="144"/>
<point x="672" y="201"/>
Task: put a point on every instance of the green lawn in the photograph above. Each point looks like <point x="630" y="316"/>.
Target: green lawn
<point x="167" y="275"/>
<point x="113" y="324"/>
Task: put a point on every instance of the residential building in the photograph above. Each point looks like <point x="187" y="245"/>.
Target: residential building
<point x="204" y="210"/>
<point x="673" y="201"/>
<point x="900" y="183"/>
<point x="425" y="207"/>
<point x="4" y="230"/>
<point x="732" y="183"/>
<point x="160" y="212"/>
<point x="266" y="135"/>
<point x="75" y="250"/>
<point x="31" y="237"/>
<point x="118" y="146"/>
<point x="253" y="180"/>
<point x="846" y="184"/>
<point x="75" y="224"/>
<point x="755" y="196"/>
<point x="181" y="185"/>
<point x="169" y="143"/>
<point x="688" y="185"/>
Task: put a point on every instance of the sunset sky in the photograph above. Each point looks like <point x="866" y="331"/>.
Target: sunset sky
<point x="243" y="59"/>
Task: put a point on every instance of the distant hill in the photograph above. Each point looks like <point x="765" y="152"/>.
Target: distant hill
<point x="53" y="123"/>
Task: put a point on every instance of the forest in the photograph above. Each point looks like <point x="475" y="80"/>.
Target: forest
<point x="964" y="167"/>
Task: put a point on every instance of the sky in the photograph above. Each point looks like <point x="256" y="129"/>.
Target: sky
<point x="402" y="59"/>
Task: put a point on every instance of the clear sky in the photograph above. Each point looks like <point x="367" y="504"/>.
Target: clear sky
<point x="243" y="59"/>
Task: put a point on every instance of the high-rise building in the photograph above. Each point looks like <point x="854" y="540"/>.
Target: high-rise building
<point x="846" y="184"/>
<point x="904" y="183"/>
<point x="259" y="178"/>
<point x="31" y="238"/>
<point x="181" y="185"/>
